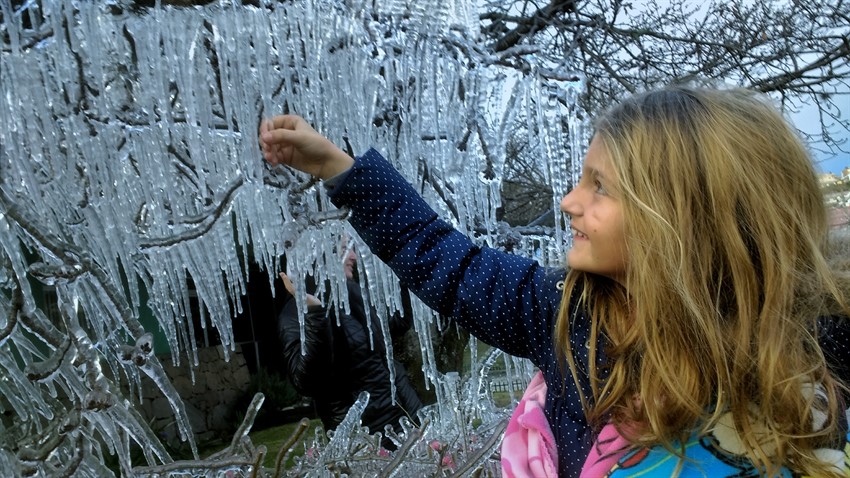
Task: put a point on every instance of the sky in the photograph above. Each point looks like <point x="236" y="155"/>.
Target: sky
<point x="807" y="120"/>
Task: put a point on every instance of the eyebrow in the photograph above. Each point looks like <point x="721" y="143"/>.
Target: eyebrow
<point x="589" y="170"/>
<point x="610" y="184"/>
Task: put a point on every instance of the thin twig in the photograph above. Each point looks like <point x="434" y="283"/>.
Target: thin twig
<point x="484" y="451"/>
<point x="258" y="460"/>
<point x="184" y="465"/>
<point x="285" y="449"/>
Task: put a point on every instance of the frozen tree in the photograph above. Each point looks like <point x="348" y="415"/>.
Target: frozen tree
<point x="129" y="168"/>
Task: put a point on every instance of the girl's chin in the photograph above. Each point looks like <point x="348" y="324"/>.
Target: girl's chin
<point x="574" y="259"/>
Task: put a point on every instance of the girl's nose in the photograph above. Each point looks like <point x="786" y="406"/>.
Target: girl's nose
<point x="569" y="203"/>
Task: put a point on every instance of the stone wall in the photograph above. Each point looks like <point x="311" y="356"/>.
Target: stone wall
<point x="209" y="401"/>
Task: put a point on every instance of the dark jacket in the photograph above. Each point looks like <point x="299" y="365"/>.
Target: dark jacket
<point x="339" y="363"/>
<point x="505" y="300"/>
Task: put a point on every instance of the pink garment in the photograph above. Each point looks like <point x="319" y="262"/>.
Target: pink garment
<point x="528" y="449"/>
<point x="606" y="451"/>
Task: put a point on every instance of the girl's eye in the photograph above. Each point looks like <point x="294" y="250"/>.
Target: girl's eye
<point x="599" y="187"/>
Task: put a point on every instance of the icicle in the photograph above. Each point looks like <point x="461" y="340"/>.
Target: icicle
<point x="350" y="426"/>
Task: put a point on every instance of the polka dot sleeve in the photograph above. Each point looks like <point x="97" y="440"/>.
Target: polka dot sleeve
<point x="503" y="299"/>
<point x="834" y="338"/>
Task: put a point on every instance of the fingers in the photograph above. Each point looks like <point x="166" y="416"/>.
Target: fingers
<point x="311" y="299"/>
<point x="265" y="125"/>
<point x="287" y="283"/>
<point x="280" y="136"/>
<point x="282" y="129"/>
<point x="277" y="145"/>
<point x="283" y="121"/>
<point x="289" y="140"/>
<point x="277" y="131"/>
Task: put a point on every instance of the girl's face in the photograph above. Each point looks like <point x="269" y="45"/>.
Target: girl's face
<point x="349" y="263"/>
<point x="349" y="257"/>
<point x="596" y="214"/>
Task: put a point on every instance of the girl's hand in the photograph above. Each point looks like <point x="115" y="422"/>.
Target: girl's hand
<point x="311" y="299"/>
<point x="289" y="140"/>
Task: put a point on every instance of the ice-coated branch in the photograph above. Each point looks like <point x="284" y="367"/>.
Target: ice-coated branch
<point x="281" y="177"/>
<point x="486" y="450"/>
<point x="489" y="158"/>
<point x="436" y="184"/>
<point x="36" y="322"/>
<point x="319" y="217"/>
<point x="73" y="464"/>
<point x="401" y="454"/>
<point x="39" y="371"/>
<point x="183" y="465"/>
<point x="42" y="448"/>
<point x="49" y="273"/>
<point x="81" y="261"/>
<point x="12" y="316"/>
<point x="100" y="395"/>
<point x="248" y="421"/>
<point x="206" y="220"/>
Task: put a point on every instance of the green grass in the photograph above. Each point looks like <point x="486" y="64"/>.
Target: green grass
<point x="275" y="437"/>
<point x="503" y="399"/>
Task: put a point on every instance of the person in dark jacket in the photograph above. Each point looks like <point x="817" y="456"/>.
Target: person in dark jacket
<point x="687" y="319"/>
<point x="340" y="361"/>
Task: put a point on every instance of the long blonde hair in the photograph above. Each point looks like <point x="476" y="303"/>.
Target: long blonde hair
<point x="726" y="231"/>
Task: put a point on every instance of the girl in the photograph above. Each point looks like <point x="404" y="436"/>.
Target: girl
<point x="686" y="324"/>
